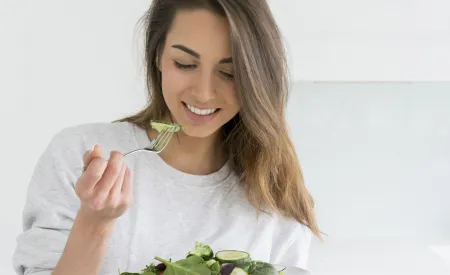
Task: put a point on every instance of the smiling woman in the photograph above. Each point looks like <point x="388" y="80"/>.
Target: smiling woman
<point x="230" y="178"/>
<point x="199" y="59"/>
<point x="219" y="67"/>
<point x="194" y="70"/>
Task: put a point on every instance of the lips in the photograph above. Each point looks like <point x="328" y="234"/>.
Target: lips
<point x="201" y="111"/>
<point x="198" y="116"/>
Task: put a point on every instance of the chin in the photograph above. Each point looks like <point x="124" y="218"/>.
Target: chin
<point x="198" y="132"/>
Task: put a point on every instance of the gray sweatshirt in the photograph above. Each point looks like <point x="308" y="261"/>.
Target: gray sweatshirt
<point x="170" y="212"/>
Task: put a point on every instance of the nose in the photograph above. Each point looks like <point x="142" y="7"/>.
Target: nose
<point x="205" y="90"/>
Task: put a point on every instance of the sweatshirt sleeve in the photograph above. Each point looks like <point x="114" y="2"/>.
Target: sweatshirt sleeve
<point x="295" y="251"/>
<point x="51" y="206"/>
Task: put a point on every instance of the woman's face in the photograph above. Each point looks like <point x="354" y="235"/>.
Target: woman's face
<point x="197" y="72"/>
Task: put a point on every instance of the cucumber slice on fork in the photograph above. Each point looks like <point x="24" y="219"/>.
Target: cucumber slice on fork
<point x="165" y="126"/>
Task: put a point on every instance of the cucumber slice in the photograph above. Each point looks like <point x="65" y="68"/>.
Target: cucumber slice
<point x="232" y="256"/>
<point x="165" y="126"/>
<point x="238" y="271"/>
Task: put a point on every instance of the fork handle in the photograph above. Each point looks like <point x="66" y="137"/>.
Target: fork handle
<point x="131" y="152"/>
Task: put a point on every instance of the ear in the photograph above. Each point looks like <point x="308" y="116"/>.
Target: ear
<point x="158" y="62"/>
<point x="158" y="57"/>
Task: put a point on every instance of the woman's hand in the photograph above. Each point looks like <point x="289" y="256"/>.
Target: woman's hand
<point x="105" y="187"/>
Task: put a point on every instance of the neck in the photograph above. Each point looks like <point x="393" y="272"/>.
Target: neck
<point x="192" y="155"/>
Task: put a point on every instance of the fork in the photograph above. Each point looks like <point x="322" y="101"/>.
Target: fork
<point x="156" y="145"/>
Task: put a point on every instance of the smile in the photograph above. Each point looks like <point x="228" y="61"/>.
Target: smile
<point x="200" y="112"/>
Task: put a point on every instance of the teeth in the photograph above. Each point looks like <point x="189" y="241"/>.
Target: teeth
<point x="201" y="112"/>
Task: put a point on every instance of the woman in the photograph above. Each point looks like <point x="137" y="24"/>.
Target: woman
<point x="231" y="179"/>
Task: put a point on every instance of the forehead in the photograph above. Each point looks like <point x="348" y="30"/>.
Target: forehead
<point x="203" y="31"/>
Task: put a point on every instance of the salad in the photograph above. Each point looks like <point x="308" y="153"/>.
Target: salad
<point x="159" y="126"/>
<point x="201" y="260"/>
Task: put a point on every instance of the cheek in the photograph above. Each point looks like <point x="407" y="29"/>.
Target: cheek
<point x="174" y="81"/>
<point x="230" y="96"/>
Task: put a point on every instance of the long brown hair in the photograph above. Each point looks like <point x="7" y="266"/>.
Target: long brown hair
<point x="257" y="139"/>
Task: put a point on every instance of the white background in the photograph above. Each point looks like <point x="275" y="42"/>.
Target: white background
<point x="367" y="40"/>
<point x="373" y="137"/>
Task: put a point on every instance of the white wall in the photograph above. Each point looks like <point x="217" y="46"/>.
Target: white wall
<point x="376" y="157"/>
<point x="366" y="40"/>
<point x="69" y="62"/>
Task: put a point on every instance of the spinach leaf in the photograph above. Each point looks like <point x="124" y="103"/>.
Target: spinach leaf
<point x="194" y="265"/>
<point x="157" y="269"/>
<point x="143" y="273"/>
<point x="149" y="270"/>
<point x="262" y="268"/>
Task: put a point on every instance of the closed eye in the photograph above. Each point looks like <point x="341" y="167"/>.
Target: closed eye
<point x="185" y="66"/>
<point x="193" y="66"/>
<point x="227" y="75"/>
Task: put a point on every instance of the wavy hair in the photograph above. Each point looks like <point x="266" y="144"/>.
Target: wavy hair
<point x="257" y="138"/>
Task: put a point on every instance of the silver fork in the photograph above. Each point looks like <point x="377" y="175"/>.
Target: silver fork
<point x="156" y="145"/>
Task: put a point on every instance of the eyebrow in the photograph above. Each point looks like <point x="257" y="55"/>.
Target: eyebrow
<point x="197" y="55"/>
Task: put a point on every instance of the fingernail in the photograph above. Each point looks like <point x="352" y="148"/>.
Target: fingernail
<point x="93" y="148"/>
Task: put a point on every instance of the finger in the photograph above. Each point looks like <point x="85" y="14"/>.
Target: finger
<point x="110" y="175"/>
<point x="95" y="152"/>
<point x="86" y="156"/>
<point x="86" y="159"/>
<point x="114" y="194"/>
<point x="87" y="181"/>
<point x="127" y="187"/>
